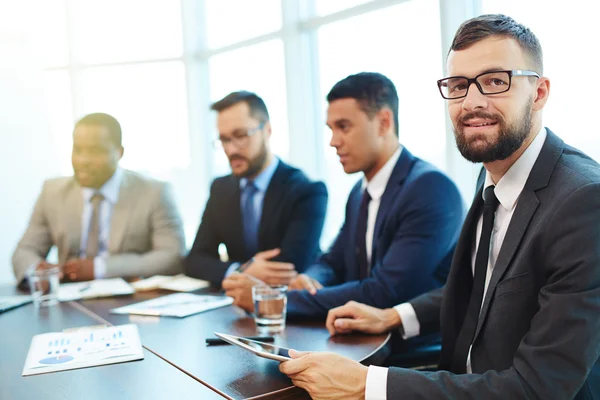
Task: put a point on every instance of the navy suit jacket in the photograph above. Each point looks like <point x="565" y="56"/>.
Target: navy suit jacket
<point x="416" y="229"/>
<point x="292" y="220"/>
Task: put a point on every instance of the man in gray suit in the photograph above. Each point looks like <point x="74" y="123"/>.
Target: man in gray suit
<point x="519" y="314"/>
<point x="105" y="221"/>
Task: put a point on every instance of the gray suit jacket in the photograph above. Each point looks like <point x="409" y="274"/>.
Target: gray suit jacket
<point x="538" y="334"/>
<point x="146" y="234"/>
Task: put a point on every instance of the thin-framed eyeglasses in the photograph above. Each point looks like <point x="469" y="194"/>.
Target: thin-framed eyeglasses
<point x="239" y="139"/>
<point x="492" y="82"/>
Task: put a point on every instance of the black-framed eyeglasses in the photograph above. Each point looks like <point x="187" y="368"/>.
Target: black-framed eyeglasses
<point x="239" y="139"/>
<point x="493" y="82"/>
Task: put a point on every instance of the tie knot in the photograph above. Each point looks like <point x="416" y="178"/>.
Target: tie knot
<point x="366" y="196"/>
<point x="250" y="187"/>
<point x="96" y="198"/>
<point x="489" y="197"/>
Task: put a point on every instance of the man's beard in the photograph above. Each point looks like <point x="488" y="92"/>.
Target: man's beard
<point x="508" y="140"/>
<point x="255" y="164"/>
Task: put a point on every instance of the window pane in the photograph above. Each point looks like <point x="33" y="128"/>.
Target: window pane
<point x="383" y="41"/>
<point x="234" y="70"/>
<point x="59" y="109"/>
<point x="325" y="7"/>
<point x="149" y="100"/>
<point x="566" y="50"/>
<point x="43" y="32"/>
<point x="250" y="19"/>
<point x="116" y="30"/>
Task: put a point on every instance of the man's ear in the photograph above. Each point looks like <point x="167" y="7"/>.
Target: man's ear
<point x="386" y="117"/>
<point x="542" y="93"/>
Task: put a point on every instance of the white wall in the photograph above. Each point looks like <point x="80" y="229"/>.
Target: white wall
<point x="27" y="153"/>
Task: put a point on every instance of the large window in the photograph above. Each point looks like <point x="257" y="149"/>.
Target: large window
<point x="157" y="65"/>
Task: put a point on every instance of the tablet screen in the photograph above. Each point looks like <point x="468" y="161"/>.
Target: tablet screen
<point x="260" y="349"/>
<point x="266" y="348"/>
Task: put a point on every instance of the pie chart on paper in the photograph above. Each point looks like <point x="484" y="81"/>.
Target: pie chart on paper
<point x="56" y="360"/>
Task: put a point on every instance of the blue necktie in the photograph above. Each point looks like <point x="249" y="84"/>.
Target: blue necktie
<point x="249" y="219"/>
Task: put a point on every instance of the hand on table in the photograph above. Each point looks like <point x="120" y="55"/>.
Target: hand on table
<point x="239" y="286"/>
<point x="305" y="282"/>
<point x="326" y="375"/>
<point x="271" y="272"/>
<point x="354" y="316"/>
<point x="78" y="269"/>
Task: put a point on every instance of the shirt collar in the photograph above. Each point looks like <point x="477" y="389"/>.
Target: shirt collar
<point x="376" y="186"/>
<point x="263" y="179"/>
<point x="110" y="189"/>
<point x="512" y="183"/>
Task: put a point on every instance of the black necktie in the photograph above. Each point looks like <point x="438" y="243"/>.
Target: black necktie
<point x="467" y="332"/>
<point x="361" y="234"/>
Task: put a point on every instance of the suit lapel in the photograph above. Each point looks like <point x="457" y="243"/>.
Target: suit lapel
<point x="275" y="192"/>
<point x="399" y="173"/>
<point x="527" y="204"/>
<point x="120" y="214"/>
<point x="72" y="240"/>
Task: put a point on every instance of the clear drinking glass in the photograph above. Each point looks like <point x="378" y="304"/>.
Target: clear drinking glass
<point x="44" y="283"/>
<point x="270" y="306"/>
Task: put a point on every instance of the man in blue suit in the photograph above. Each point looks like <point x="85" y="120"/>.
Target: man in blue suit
<point x="402" y="218"/>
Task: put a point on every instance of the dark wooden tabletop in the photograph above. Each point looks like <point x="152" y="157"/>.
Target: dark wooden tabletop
<point x="231" y="371"/>
<point x="177" y="362"/>
<point x="150" y="378"/>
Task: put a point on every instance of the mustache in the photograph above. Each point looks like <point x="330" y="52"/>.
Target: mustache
<point x="478" y="114"/>
<point x="237" y="157"/>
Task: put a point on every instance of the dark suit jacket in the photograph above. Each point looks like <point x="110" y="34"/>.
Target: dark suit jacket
<point x="538" y="334"/>
<point x="292" y="220"/>
<point x="417" y="226"/>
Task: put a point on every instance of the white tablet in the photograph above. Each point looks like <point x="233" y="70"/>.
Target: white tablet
<point x="260" y="349"/>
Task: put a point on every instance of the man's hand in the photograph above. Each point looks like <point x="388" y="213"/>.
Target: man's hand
<point x="79" y="269"/>
<point x="326" y="375"/>
<point x="271" y="272"/>
<point x="239" y="286"/>
<point x="354" y="316"/>
<point x="305" y="282"/>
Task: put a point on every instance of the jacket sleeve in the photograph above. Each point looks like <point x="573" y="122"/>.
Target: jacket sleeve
<point x="166" y="238"/>
<point x="425" y="234"/>
<point x="36" y="241"/>
<point x="300" y="243"/>
<point x="203" y="260"/>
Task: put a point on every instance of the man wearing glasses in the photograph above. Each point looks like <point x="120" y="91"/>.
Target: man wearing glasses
<point x="268" y="214"/>
<point x="519" y="312"/>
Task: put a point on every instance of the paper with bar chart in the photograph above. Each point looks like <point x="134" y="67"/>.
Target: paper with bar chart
<point x="60" y="351"/>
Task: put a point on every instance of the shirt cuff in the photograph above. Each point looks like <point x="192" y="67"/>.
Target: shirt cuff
<point x="376" y="386"/>
<point x="99" y="268"/>
<point x="410" y="323"/>
<point x="232" y="268"/>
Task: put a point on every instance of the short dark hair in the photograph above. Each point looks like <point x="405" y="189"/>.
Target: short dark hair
<point x="258" y="108"/>
<point x="105" y="120"/>
<point x="484" y="26"/>
<point x="371" y="90"/>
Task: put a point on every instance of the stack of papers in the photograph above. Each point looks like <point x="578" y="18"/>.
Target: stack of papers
<point x="10" y="302"/>
<point x="175" y="305"/>
<point x="93" y="289"/>
<point x="60" y="351"/>
<point x="177" y="283"/>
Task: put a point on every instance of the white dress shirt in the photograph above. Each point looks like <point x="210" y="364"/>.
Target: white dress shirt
<point x="507" y="190"/>
<point x="376" y="187"/>
<point x="110" y="192"/>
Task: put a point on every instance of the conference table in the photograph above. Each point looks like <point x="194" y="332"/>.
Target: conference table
<point x="177" y="363"/>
